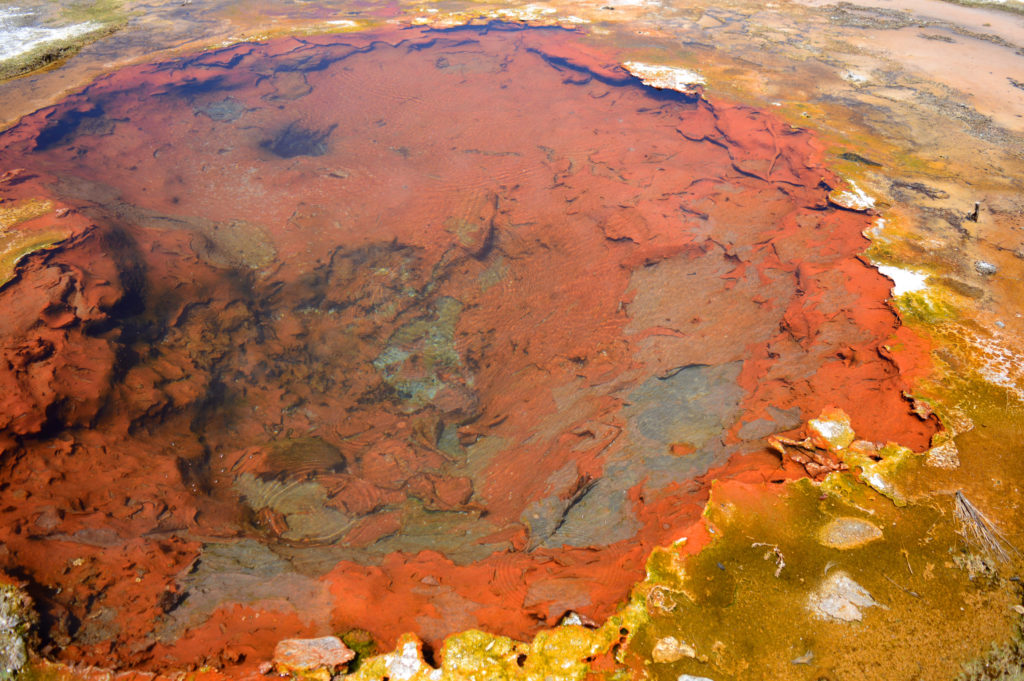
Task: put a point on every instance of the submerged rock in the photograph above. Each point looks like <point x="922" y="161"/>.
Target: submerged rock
<point x="228" y="110"/>
<point x="16" y="620"/>
<point x="671" y="649"/>
<point x="849" y="533"/>
<point x="840" y="598"/>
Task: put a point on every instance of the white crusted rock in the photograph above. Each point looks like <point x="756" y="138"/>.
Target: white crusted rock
<point x="838" y="597"/>
<point x="666" y="77"/>
<point x="312" y="657"/>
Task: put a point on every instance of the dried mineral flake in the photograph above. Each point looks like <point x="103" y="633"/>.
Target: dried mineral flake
<point x="986" y="268"/>
<point x="666" y="77"/>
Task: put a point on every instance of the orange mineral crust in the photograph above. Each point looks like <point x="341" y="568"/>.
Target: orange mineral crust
<point x="409" y="331"/>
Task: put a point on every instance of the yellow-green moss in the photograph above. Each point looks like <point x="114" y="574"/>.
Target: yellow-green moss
<point x="881" y="475"/>
<point x="17" y="243"/>
<point x="925" y="307"/>
<point x="108" y="17"/>
<point x="564" y="653"/>
<point x="1003" y="662"/>
<point x="99" y="11"/>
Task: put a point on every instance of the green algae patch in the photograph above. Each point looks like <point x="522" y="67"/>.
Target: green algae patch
<point x="99" y="11"/>
<point x="665" y="567"/>
<point x="769" y="599"/>
<point x="1003" y="662"/>
<point x="476" y="654"/>
<point x="360" y="642"/>
<point x="925" y="308"/>
<point x="17" y="240"/>
<point x="41" y="670"/>
<point x="14" y="214"/>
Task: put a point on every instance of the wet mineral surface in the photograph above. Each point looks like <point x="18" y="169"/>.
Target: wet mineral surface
<point x="446" y="331"/>
<point x="419" y="331"/>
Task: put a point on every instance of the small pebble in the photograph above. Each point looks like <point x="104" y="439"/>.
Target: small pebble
<point x="985" y="268"/>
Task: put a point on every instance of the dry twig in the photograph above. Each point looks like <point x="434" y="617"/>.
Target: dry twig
<point x="977" y="528"/>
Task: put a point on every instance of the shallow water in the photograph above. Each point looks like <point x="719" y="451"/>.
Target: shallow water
<point x="410" y="331"/>
<point x="456" y="318"/>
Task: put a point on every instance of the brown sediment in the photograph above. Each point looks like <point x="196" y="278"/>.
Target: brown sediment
<point x="411" y="331"/>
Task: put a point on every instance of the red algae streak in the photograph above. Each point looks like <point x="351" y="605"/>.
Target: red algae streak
<point x="411" y="331"/>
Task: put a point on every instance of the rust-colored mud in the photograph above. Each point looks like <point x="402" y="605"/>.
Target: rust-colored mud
<point x="416" y="331"/>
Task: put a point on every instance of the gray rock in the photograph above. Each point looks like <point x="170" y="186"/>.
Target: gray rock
<point x="600" y="516"/>
<point x="298" y="655"/>
<point x="756" y="429"/>
<point x="985" y="268"/>
<point x="693" y="404"/>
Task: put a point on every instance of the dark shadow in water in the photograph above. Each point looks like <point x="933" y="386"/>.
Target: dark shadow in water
<point x="65" y="126"/>
<point x="498" y="26"/>
<point x="195" y="86"/>
<point x="296" y="140"/>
